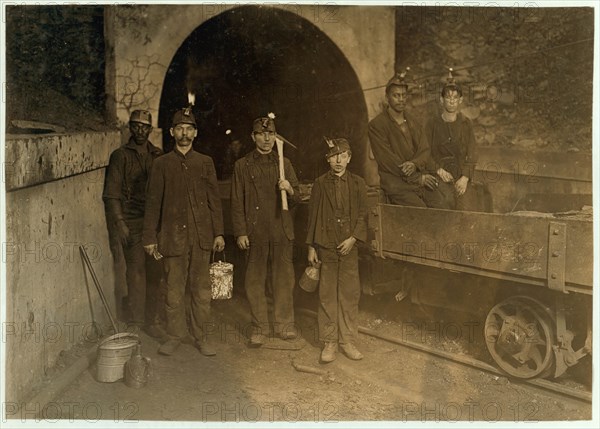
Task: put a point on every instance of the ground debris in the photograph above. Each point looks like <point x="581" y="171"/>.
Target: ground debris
<point x="325" y="375"/>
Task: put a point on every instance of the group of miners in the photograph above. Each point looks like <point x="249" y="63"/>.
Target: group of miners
<point x="429" y="166"/>
<point x="165" y="217"/>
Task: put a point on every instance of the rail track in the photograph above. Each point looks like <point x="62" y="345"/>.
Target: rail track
<point x="544" y="384"/>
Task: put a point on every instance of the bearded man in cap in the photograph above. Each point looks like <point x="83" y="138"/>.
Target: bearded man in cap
<point x="266" y="231"/>
<point x="183" y="224"/>
<point x="402" y="152"/>
<point x="336" y="221"/>
<point x="124" y="199"/>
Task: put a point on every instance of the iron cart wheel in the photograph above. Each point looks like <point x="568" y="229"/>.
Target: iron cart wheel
<point x="519" y="333"/>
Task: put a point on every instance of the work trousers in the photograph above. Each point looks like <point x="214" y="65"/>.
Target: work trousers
<point x="339" y="293"/>
<point x="190" y="268"/>
<point x="466" y="201"/>
<point x="418" y="197"/>
<point x="145" y="294"/>
<point x="274" y="255"/>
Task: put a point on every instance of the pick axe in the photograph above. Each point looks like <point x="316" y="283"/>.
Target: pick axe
<point x="279" y="140"/>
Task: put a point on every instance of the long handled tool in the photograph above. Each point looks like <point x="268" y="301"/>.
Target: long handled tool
<point x="284" y="202"/>
<point x="87" y="261"/>
<point x="279" y="140"/>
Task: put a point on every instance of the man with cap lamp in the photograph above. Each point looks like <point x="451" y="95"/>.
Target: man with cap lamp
<point x="234" y="151"/>
<point x="453" y="147"/>
<point x="124" y="199"/>
<point x="183" y="224"/>
<point x="402" y="153"/>
<point x="266" y="231"/>
<point x="336" y="221"/>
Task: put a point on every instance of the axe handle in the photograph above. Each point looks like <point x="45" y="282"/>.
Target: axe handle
<point x="284" y="202"/>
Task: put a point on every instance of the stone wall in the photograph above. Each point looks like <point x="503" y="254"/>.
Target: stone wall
<point x="527" y="72"/>
<point x="145" y="39"/>
<point x="53" y="206"/>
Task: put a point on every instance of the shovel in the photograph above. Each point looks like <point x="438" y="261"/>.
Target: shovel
<point x="87" y="262"/>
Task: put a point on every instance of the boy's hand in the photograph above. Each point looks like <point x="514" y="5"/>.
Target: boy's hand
<point x="445" y="175"/>
<point x="346" y="246"/>
<point x="313" y="258"/>
<point x="461" y="185"/>
<point x="285" y="185"/>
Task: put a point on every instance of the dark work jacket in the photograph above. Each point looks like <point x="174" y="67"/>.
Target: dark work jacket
<point x="166" y="219"/>
<point x="391" y="149"/>
<point x="453" y="145"/>
<point x="321" y="211"/>
<point x="126" y="179"/>
<point x="245" y="205"/>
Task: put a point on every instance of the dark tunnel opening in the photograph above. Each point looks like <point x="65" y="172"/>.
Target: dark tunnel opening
<point x="249" y="61"/>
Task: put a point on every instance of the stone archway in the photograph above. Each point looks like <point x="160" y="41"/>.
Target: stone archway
<point x="145" y="41"/>
<point x="247" y="62"/>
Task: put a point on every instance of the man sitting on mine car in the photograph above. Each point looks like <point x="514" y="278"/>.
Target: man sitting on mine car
<point x="402" y="152"/>
<point x="453" y="148"/>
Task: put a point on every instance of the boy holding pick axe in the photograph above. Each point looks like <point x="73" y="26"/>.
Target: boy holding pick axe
<point x="264" y="189"/>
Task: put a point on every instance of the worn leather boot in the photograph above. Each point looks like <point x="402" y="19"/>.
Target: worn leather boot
<point x="257" y="340"/>
<point x="156" y="331"/>
<point x="169" y="347"/>
<point x="206" y="348"/>
<point x="351" y="351"/>
<point x="329" y="352"/>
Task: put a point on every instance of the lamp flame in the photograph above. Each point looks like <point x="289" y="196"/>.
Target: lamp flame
<point x="191" y="99"/>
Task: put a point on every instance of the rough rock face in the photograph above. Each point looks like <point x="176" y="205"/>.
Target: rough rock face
<point x="55" y="66"/>
<point x="527" y="72"/>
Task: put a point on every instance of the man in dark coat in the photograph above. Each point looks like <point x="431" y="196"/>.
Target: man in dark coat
<point x="266" y="231"/>
<point x="336" y="221"/>
<point x="183" y="223"/>
<point x="402" y="152"/>
<point x="124" y="200"/>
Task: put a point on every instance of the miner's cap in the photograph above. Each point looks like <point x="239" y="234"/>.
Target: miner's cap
<point x="337" y="146"/>
<point x="184" y="116"/>
<point x="451" y="84"/>
<point x="399" y="79"/>
<point x="263" y="124"/>
<point x="141" y="116"/>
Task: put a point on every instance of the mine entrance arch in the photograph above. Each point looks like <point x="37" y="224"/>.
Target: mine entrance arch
<point x="248" y="61"/>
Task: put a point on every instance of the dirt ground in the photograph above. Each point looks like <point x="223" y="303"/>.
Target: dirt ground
<point x="246" y="385"/>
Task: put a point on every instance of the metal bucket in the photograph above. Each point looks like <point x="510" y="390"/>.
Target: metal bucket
<point x="113" y="352"/>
